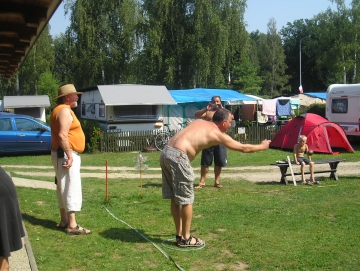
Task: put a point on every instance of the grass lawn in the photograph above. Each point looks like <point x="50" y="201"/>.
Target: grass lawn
<point x="246" y="226"/>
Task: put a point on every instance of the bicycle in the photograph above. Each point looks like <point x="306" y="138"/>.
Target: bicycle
<point x="163" y="137"/>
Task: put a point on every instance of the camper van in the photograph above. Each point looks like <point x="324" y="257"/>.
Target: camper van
<point x="343" y="107"/>
<point x="29" y="105"/>
<point x="124" y="107"/>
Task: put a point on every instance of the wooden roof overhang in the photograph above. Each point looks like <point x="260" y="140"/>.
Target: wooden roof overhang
<point x="21" y="23"/>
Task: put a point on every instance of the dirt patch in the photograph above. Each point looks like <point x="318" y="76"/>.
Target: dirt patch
<point x="253" y="174"/>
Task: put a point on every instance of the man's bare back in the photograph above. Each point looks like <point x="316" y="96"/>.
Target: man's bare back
<point x="201" y="134"/>
<point x="178" y="176"/>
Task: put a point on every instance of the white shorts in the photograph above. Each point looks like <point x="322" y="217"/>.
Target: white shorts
<point x="69" y="190"/>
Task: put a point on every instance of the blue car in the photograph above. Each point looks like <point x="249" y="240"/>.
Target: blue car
<point x="23" y="134"/>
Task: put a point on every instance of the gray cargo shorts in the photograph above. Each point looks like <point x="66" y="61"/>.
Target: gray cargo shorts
<point x="177" y="176"/>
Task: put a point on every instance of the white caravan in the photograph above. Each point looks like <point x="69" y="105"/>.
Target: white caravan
<point x="343" y="107"/>
<point x="125" y="107"/>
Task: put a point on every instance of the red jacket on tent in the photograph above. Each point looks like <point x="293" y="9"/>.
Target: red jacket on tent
<point x="322" y="135"/>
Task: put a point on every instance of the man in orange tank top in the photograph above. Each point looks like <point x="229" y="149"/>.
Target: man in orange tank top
<point x="68" y="140"/>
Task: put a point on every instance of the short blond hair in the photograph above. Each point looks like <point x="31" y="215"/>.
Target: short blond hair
<point x="303" y="137"/>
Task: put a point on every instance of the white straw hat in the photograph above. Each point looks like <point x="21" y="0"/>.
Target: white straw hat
<point x="67" y="90"/>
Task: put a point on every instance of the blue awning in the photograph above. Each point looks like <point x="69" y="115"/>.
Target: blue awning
<point x="205" y="94"/>
<point x="320" y="95"/>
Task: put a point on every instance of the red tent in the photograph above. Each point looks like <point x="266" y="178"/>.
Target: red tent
<point x="322" y="135"/>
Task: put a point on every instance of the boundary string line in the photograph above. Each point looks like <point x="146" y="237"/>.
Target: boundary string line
<point x="147" y="239"/>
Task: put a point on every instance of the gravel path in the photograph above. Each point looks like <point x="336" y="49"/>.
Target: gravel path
<point x="253" y="174"/>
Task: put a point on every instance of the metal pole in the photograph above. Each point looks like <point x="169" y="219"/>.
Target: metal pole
<point x="300" y="64"/>
<point x="300" y="56"/>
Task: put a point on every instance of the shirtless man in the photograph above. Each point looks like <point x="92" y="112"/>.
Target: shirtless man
<point x="177" y="174"/>
<point x="299" y="151"/>
<point x="218" y="152"/>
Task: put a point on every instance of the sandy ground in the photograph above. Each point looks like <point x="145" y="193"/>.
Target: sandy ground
<point x="253" y="174"/>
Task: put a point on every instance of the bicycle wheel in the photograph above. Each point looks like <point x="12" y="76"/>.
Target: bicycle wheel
<point x="161" y="140"/>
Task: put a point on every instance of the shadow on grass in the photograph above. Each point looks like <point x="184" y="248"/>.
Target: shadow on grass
<point x="41" y="222"/>
<point x="152" y="185"/>
<point x="344" y="177"/>
<point x="269" y="183"/>
<point x="322" y="180"/>
<point x="127" y="235"/>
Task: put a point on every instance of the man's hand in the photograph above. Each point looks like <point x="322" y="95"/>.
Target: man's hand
<point x="265" y="143"/>
<point x="209" y="107"/>
<point x="68" y="163"/>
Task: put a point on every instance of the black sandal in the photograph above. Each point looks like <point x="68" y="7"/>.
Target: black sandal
<point x="78" y="231"/>
<point x="178" y="239"/>
<point x="187" y="242"/>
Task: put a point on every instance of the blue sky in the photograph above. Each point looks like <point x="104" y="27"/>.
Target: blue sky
<point x="257" y="14"/>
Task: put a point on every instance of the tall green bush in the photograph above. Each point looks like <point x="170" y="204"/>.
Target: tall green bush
<point x="318" y="109"/>
<point x="92" y="133"/>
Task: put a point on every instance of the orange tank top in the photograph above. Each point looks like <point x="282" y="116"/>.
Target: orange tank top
<point x="76" y="135"/>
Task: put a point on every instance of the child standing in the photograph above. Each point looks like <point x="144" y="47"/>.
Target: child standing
<point x="299" y="151"/>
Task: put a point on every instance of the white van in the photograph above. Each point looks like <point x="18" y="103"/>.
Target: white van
<point x="343" y="107"/>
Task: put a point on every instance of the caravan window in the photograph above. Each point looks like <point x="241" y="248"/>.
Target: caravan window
<point x="135" y="112"/>
<point x="102" y="110"/>
<point x="83" y="110"/>
<point x="339" y="105"/>
<point x="90" y="108"/>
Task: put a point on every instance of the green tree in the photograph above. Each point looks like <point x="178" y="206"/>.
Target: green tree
<point x="335" y="61"/>
<point x="245" y="78"/>
<point x="296" y="33"/>
<point x="253" y="52"/>
<point x="329" y="47"/>
<point x="8" y="86"/>
<point x="191" y="43"/>
<point x="40" y="59"/>
<point x="355" y="26"/>
<point x="65" y="60"/>
<point x="103" y="34"/>
<point x="272" y="62"/>
<point x="48" y="85"/>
